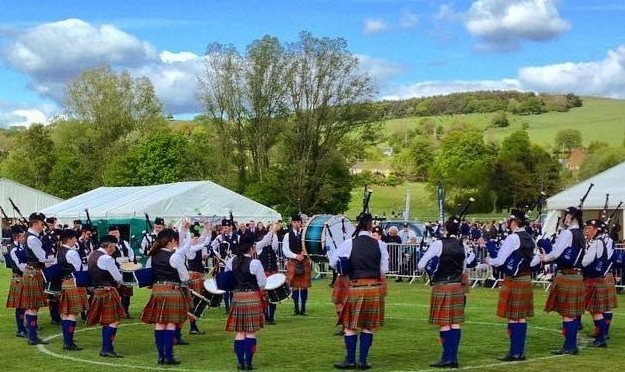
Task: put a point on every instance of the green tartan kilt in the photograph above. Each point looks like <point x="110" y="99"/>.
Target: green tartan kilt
<point x="32" y="296"/>
<point x="15" y="292"/>
<point x="566" y="295"/>
<point x="247" y="312"/>
<point x="73" y="300"/>
<point x="516" y="298"/>
<point x="447" y="304"/>
<point x="167" y="304"/>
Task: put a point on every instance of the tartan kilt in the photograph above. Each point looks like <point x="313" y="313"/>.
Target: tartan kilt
<point x="168" y="304"/>
<point x="383" y="294"/>
<point x="247" y="312"/>
<point x="516" y="298"/>
<point x="125" y="290"/>
<point x="340" y="291"/>
<point x="597" y="298"/>
<point x="610" y="282"/>
<point x="73" y="300"/>
<point x="566" y="295"/>
<point x="196" y="281"/>
<point x="299" y="281"/>
<point x="362" y="307"/>
<point x="447" y="304"/>
<point x="466" y="283"/>
<point x="32" y="296"/>
<point x="15" y="291"/>
<point x="105" y="307"/>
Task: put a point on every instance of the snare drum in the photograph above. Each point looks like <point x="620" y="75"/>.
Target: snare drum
<point x="128" y="270"/>
<point x="212" y="293"/>
<point x="52" y="276"/>
<point x="53" y="288"/>
<point x="83" y="278"/>
<point x="326" y="231"/>
<point x="277" y="288"/>
<point x="200" y="303"/>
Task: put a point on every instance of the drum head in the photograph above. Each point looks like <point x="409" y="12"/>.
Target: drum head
<point x="274" y="281"/>
<point x="211" y="286"/>
<point x="326" y="232"/>
<point x="129" y="266"/>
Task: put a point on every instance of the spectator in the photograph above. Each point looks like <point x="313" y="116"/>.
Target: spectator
<point x="406" y="233"/>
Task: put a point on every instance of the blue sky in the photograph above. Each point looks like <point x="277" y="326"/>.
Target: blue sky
<point x="411" y="48"/>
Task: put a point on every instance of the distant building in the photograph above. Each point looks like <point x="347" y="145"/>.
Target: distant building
<point x="360" y="167"/>
<point x="575" y="159"/>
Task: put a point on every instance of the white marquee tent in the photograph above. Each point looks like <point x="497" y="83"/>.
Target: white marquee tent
<point x="27" y="199"/>
<point x="611" y="181"/>
<point x="171" y="201"/>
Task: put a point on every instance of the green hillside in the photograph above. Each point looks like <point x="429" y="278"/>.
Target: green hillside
<point x="599" y="119"/>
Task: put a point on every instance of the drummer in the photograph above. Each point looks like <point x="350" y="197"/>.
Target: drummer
<point x="123" y="253"/>
<point x="299" y="266"/>
<point x="73" y="299"/>
<point x="266" y="251"/>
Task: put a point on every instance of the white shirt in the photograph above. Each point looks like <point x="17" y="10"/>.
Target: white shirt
<point x="268" y="239"/>
<point x="563" y="241"/>
<point x="131" y="253"/>
<point x="594" y="250"/>
<point x="285" y="243"/>
<point x="106" y="262"/>
<point x="509" y="245"/>
<point x="35" y="245"/>
<point x="406" y="235"/>
<point x="345" y="250"/>
<point x="256" y="269"/>
<point x="73" y="258"/>
<point x="435" y="250"/>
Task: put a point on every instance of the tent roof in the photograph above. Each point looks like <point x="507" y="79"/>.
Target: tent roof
<point x="172" y="200"/>
<point x="606" y="182"/>
<point x="27" y="199"/>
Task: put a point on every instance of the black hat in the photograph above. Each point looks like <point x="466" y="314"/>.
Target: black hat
<point x="85" y="227"/>
<point x="50" y="220"/>
<point x="17" y="229"/>
<point x="245" y="242"/>
<point x="77" y="222"/>
<point x="378" y="230"/>
<point x="227" y="222"/>
<point x="113" y="228"/>
<point x="598" y="224"/>
<point x="67" y="234"/>
<point x="519" y="215"/>
<point x="37" y="217"/>
<point x="296" y="217"/>
<point x="159" y="221"/>
<point x="452" y="225"/>
<point x="575" y="212"/>
<point x="365" y="217"/>
<point x="107" y="239"/>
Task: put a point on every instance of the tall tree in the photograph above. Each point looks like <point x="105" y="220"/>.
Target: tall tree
<point x="31" y="158"/>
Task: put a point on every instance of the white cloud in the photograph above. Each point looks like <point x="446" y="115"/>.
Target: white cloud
<point x="601" y="78"/>
<point x="380" y="70"/>
<point x="24" y="115"/>
<point x="433" y="88"/>
<point x="374" y="26"/>
<point x="504" y="24"/>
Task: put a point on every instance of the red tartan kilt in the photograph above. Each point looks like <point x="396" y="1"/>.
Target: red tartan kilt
<point x="167" y="304"/>
<point x="516" y="298"/>
<point x="247" y="312"/>
<point x="197" y="281"/>
<point x="566" y="295"/>
<point x="597" y="298"/>
<point x="340" y="291"/>
<point x="105" y="307"/>
<point x="32" y="296"/>
<point x="73" y="300"/>
<point x="466" y="283"/>
<point x="447" y="304"/>
<point x="610" y="282"/>
<point x="363" y="306"/>
<point x="15" y="291"/>
<point x="299" y="281"/>
<point x="125" y="291"/>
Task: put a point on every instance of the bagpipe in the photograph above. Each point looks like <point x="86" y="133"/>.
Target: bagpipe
<point x="432" y="265"/>
<point x="363" y="219"/>
<point x="617" y="260"/>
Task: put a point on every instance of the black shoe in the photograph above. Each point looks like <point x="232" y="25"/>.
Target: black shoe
<point x="21" y="334"/>
<point x="598" y="344"/>
<point x="303" y="313"/>
<point x="240" y="367"/>
<point x="296" y="312"/>
<point x="249" y="367"/>
<point x="270" y="322"/>
<point x="72" y="347"/>
<point x="171" y="362"/>
<point x="340" y="332"/>
<point x="55" y="322"/>
<point x="363" y="366"/>
<point x="196" y="332"/>
<point x="565" y="351"/>
<point x="444" y="364"/>
<point x="592" y="335"/>
<point x="512" y="358"/>
<point x="38" y="341"/>
<point x="344" y="365"/>
<point x="181" y="342"/>
<point x="161" y="361"/>
<point x="110" y="354"/>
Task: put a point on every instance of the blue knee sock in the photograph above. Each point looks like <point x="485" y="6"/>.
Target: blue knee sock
<point x="519" y="334"/>
<point x="158" y="341"/>
<point x="608" y="320"/>
<point x="271" y="311"/>
<point x="72" y="329"/>
<point x="350" y="347"/>
<point x="295" y="295"/>
<point x="250" y="349"/>
<point x="366" y="339"/>
<point x="454" y="344"/>
<point x="168" y="343"/>
<point x="445" y="341"/>
<point x="65" y="325"/>
<point x="600" y="330"/>
<point x="304" y="298"/>
<point x="106" y="339"/>
<point x="239" y="350"/>
<point x="31" y="326"/>
<point x="19" y="320"/>
<point x="570" y="335"/>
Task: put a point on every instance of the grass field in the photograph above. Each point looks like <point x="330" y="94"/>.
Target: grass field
<point x="599" y="119"/>
<point x="405" y="343"/>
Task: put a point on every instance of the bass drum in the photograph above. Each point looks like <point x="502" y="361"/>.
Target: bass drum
<point x="324" y="233"/>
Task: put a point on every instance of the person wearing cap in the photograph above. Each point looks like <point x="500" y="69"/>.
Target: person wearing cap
<point x="247" y="313"/>
<point x="299" y="266"/>
<point x="123" y="254"/>
<point x="516" y="298"/>
<point x="105" y="308"/>
<point x="566" y="294"/>
<point x="610" y="282"/>
<point x="85" y="242"/>
<point x="149" y="237"/>
<point x="597" y="294"/>
<point x="168" y="304"/>
<point x="447" y="302"/>
<point x="32" y="297"/>
<point x="368" y="262"/>
<point x="222" y="248"/>
<point x="406" y="233"/>
<point x="73" y="299"/>
<point x="17" y="257"/>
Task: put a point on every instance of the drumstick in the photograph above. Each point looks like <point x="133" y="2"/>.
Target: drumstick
<point x="330" y="233"/>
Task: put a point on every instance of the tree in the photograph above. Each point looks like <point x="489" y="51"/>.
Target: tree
<point x="499" y="120"/>
<point x="600" y="160"/>
<point x="68" y="176"/>
<point x="568" y="139"/>
<point x="31" y="159"/>
<point x="416" y="160"/>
